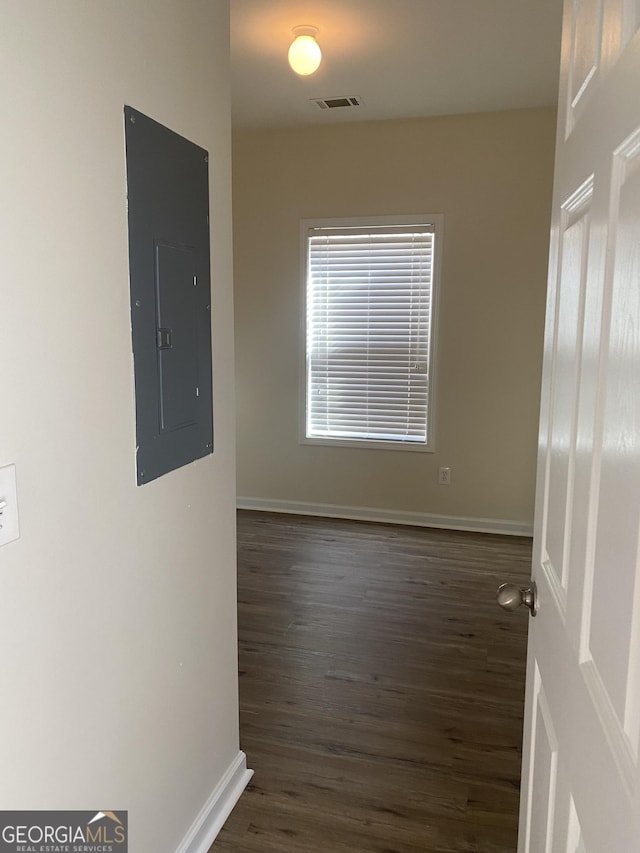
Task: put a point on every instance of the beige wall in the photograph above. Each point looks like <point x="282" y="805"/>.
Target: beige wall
<point x="117" y="604"/>
<point x="491" y="176"/>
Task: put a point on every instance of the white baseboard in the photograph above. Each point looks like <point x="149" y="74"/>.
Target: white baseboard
<point x="390" y="516"/>
<point x="217" y="808"/>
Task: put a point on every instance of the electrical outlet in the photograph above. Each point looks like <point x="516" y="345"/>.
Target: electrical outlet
<point x="9" y="529"/>
<point x="444" y="476"/>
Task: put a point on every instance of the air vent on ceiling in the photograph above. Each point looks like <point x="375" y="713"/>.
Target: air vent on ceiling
<point x="334" y="103"/>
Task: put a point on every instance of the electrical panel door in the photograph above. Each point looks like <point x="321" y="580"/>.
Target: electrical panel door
<point x="168" y="213"/>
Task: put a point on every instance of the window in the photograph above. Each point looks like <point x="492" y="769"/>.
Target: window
<point x="370" y="297"/>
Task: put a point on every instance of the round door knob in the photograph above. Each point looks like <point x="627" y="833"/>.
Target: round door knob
<point x="510" y="597"/>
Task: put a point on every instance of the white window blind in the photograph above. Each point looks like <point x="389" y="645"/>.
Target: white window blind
<point x="369" y="307"/>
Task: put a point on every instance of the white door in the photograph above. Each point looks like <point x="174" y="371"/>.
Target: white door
<point x="581" y="769"/>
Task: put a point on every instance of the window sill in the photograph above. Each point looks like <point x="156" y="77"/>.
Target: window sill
<point x="363" y="444"/>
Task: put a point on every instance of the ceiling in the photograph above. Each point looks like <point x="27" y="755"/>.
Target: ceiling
<point x="403" y="58"/>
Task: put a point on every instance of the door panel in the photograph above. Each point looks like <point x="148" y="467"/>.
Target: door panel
<point x="575" y="842"/>
<point x="543" y="771"/>
<point x="566" y="369"/>
<point x="586" y="41"/>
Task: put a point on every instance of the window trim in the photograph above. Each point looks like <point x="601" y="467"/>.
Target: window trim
<point x="435" y="219"/>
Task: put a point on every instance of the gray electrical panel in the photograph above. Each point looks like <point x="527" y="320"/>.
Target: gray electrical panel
<point x="168" y="211"/>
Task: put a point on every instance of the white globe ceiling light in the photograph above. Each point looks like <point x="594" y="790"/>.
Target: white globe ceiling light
<point x="305" y="54"/>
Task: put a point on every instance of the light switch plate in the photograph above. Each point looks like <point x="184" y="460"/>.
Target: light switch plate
<point x="9" y="527"/>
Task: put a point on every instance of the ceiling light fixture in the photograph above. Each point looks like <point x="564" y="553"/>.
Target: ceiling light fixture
<point x="305" y="54"/>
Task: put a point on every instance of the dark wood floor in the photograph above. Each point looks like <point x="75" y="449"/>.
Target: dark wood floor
<point x="381" y="688"/>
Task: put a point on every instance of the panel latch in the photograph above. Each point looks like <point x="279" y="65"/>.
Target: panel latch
<point x="163" y="338"/>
